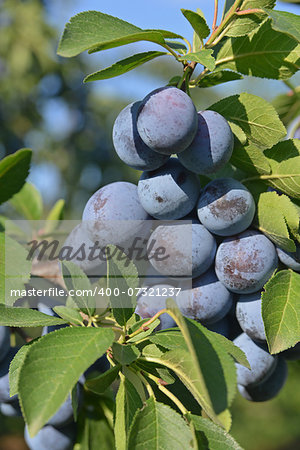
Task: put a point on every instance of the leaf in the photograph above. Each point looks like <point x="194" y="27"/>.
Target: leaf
<point x="78" y="283"/>
<point x="285" y="22"/>
<point x="203" y="57"/>
<point x="281" y="310"/>
<point x="28" y="202"/>
<point x="14" y="270"/>
<point x="254" y="116"/>
<point x="14" y="170"/>
<point x="128" y="402"/>
<point x="123" y="275"/>
<point x="235" y="352"/>
<point x="160" y="427"/>
<point x="95" y="31"/>
<point x="250" y="159"/>
<point x="243" y="25"/>
<point x="123" y="66"/>
<point x="53" y="365"/>
<point x="198" y="23"/>
<point x="222" y="76"/>
<point x="143" y="334"/>
<point x="210" y="436"/>
<point x="55" y="215"/>
<point x="284" y="159"/>
<point x="71" y="315"/>
<point x="125" y="354"/>
<point x="288" y="105"/>
<point x="275" y="212"/>
<point x="15" y="367"/>
<point x="98" y="385"/>
<point x="264" y="53"/>
<point x="26" y="317"/>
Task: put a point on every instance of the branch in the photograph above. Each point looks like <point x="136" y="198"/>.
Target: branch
<point x="215" y="16"/>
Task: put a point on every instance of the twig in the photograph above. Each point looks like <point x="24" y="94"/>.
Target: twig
<point x="215" y="15"/>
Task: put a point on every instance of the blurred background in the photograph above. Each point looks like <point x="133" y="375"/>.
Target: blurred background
<point x="45" y="106"/>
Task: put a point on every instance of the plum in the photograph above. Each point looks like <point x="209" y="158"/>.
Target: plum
<point x="167" y="120"/>
<point x="189" y="249"/>
<point x="4" y="342"/>
<point x="170" y="192"/>
<point x="226" y="207"/>
<point x="49" y="438"/>
<point x="212" y="146"/>
<point x="245" y="262"/>
<point x="248" y="314"/>
<point x="129" y="145"/>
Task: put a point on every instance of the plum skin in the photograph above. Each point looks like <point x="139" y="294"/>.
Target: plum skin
<point x="167" y="120"/>
<point x="269" y="387"/>
<point x="170" y="192"/>
<point x="189" y="249"/>
<point x="226" y="207"/>
<point x="212" y="146"/>
<point x="129" y="145"/>
<point x="49" y="438"/>
<point x="245" y="262"/>
<point x="207" y="301"/>
<point x="261" y="362"/>
<point x="4" y="342"/>
<point x="249" y="316"/>
<point x="114" y="214"/>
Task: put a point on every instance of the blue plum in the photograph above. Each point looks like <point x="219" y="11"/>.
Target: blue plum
<point x="261" y="362"/>
<point x="50" y="438"/>
<point x="221" y="327"/>
<point x="152" y="301"/>
<point x="170" y="192"/>
<point x="207" y="301"/>
<point x="290" y="259"/>
<point x="245" y="262"/>
<point x="4" y="377"/>
<point x="269" y="387"/>
<point x="11" y="409"/>
<point x="226" y="207"/>
<point x="114" y="214"/>
<point x="248" y="314"/>
<point x="212" y="146"/>
<point x="293" y="353"/>
<point x="189" y="249"/>
<point x="167" y="120"/>
<point x="4" y="342"/>
<point x="129" y="145"/>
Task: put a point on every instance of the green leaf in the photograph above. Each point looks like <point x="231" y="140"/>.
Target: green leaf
<point x="123" y="66"/>
<point x="53" y="365"/>
<point x="95" y="31"/>
<point x="98" y="385"/>
<point x="15" y="367"/>
<point x="28" y="202"/>
<point x="203" y="57"/>
<point x="77" y="281"/>
<point x="235" y="352"/>
<point x="160" y="427"/>
<point x="243" y="25"/>
<point x="284" y="159"/>
<point x="254" y="116"/>
<point x="250" y="159"/>
<point x="71" y="315"/>
<point x="125" y="354"/>
<point x="288" y="105"/>
<point x="143" y="334"/>
<point x="222" y="76"/>
<point x="198" y="23"/>
<point x="55" y="215"/>
<point x="210" y="436"/>
<point x="123" y="275"/>
<point x="14" y="270"/>
<point x="281" y="310"/>
<point x="264" y="53"/>
<point x="26" y="317"/>
<point x="14" y="170"/>
<point x="128" y="402"/>
<point x="276" y="214"/>
<point x="285" y="22"/>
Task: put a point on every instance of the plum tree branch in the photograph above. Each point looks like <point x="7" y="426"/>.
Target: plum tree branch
<point x="215" y="16"/>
